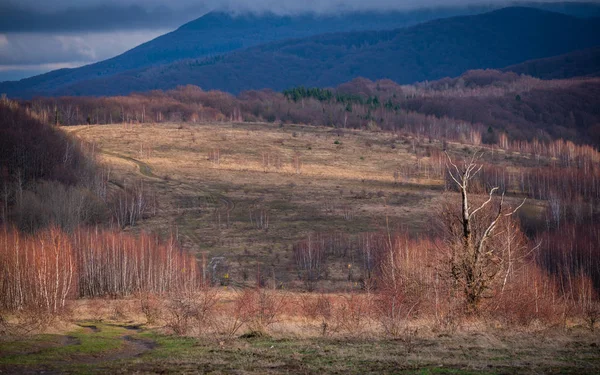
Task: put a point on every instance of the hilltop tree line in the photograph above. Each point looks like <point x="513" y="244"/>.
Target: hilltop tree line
<point x="478" y="107"/>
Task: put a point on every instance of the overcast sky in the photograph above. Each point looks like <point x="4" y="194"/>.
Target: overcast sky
<point x="37" y="36"/>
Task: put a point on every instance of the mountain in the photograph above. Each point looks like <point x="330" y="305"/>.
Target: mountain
<point x="574" y="64"/>
<point x="429" y="51"/>
<point x="218" y="33"/>
<point x="576" y="9"/>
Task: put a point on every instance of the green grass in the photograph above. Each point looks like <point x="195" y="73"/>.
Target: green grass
<point x="102" y="352"/>
<point x="49" y="348"/>
<point x="169" y="347"/>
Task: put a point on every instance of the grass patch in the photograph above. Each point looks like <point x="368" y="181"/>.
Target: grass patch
<point x="84" y="342"/>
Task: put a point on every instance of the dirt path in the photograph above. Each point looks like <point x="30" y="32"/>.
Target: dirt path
<point x="144" y="168"/>
<point x="223" y="203"/>
<point x="214" y="201"/>
<point x="89" y="349"/>
<point x="130" y="346"/>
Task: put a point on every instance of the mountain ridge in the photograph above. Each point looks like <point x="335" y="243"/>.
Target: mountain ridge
<point x="433" y="50"/>
<point x="196" y="39"/>
<point x="580" y="63"/>
<point x="427" y="51"/>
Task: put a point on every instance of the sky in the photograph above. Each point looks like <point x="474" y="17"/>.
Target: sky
<point x="38" y="36"/>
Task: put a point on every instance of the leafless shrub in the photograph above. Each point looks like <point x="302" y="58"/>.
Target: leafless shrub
<point x="27" y="321"/>
<point x="347" y="212"/>
<point x="393" y="311"/>
<point x="408" y="337"/>
<point x="214" y="156"/>
<point x="132" y="204"/>
<point x="352" y="314"/>
<point x="297" y="163"/>
<point x="191" y="312"/>
<point x="270" y="160"/>
<point x="151" y="307"/>
<point x="260" y="307"/>
<point x="592" y="314"/>
<point x="317" y="308"/>
<point x="96" y="308"/>
<point x="119" y="312"/>
<point x="231" y="321"/>
<point x="179" y="315"/>
<point x="145" y="150"/>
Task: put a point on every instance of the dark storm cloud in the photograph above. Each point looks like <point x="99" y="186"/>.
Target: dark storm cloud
<point x="97" y="15"/>
<point x="92" y="17"/>
<point x="26" y="54"/>
<point x="28" y="48"/>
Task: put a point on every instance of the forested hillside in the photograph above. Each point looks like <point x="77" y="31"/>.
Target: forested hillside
<point x="574" y="64"/>
<point x="430" y="51"/>
<point x="49" y="178"/>
<point x="489" y="102"/>
<point x="217" y="33"/>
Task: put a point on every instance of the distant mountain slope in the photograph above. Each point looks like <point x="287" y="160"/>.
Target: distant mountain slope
<point x="429" y="51"/>
<point x="575" y="9"/>
<point x="219" y="33"/>
<point x="574" y="64"/>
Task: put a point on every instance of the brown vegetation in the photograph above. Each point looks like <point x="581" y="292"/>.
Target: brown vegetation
<point x="42" y="272"/>
<point x="479" y="106"/>
<point x="303" y="206"/>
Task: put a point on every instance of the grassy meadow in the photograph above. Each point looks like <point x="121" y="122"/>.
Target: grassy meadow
<point x="272" y="186"/>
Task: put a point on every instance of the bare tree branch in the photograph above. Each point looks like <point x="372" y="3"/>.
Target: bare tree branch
<point x="484" y="203"/>
<point x="517" y="208"/>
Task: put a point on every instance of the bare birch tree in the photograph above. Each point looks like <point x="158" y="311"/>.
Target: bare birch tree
<point x="476" y="261"/>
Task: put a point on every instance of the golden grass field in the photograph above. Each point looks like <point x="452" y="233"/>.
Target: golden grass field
<point x="345" y="183"/>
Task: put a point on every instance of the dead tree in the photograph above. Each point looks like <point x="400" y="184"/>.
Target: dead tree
<point x="476" y="261"/>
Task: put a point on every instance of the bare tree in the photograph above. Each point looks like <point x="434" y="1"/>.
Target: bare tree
<point x="297" y="163"/>
<point x="259" y="217"/>
<point x="476" y="262"/>
<point x="554" y="208"/>
<point x="214" y="156"/>
<point x="310" y="260"/>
